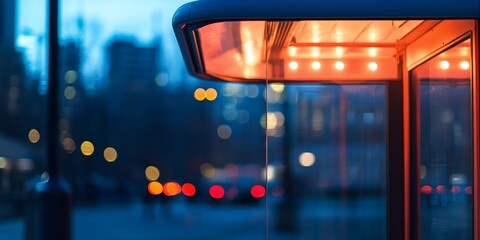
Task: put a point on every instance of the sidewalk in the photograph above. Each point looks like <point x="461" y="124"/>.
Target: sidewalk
<point x="181" y="221"/>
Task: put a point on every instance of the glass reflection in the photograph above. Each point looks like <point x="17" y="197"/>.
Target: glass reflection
<point x="443" y="86"/>
<point x="329" y="163"/>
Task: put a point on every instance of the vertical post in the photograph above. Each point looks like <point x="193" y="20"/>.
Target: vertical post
<point x="53" y="165"/>
<point x="395" y="162"/>
<point x="51" y="199"/>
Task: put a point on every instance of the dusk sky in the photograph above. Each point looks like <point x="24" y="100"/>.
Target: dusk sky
<point x="103" y="20"/>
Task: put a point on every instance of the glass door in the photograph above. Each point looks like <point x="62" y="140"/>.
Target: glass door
<point x="442" y="139"/>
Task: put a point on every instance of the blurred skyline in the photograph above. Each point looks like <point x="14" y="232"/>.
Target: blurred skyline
<point x="92" y="25"/>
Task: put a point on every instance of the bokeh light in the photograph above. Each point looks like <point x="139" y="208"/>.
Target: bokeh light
<point x="211" y="94"/>
<point x="277" y="87"/>
<point x="71" y="76"/>
<point x="34" y="136"/>
<point x="161" y="79"/>
<point x="69" y="144"/>
<point x="293" y="65"/>
<point x="339" y="65"/>
<point x="444" y="65"/>
<point x="306" y="159"/>
<point x="87" y="148"/>
<point x="110" y="154"/>
<point x="216" y="192"/>
<point x="171" y="189"/>
<point x="257" y="191"/>
<point x="207" y="170"/>
<point x="373" y="66"/>
<point x="3" y="162"/>
<point x="468" y="190"/>
<point x="155" y="188"/>
<point x="200" y="94"/>
<point x="426" y="189"/>
<point x="224" y="132"/>
<point x="464" y="65"/>
<point x="456" y="189"/>
<point x="252" y="91"/>
<point x="188" y="189"/>
<point x="316" y="65"/>
<point x="273" y="120"/>
<point x="152" y="173"/>
<point x="440" y="189"/>
<point x="69" y="92"/>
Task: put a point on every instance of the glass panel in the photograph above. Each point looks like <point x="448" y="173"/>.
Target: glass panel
<point x="327" y="156"/>
<point x="443" y="88"/>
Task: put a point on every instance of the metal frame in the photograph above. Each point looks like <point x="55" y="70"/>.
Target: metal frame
<point x="412" y="159"/>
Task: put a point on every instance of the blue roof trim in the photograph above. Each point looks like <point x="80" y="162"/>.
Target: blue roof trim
<point x="222" y="10"/>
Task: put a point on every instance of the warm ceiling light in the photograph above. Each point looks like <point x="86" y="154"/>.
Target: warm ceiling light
<point x="339" y="51"/>
<point x="293" y="65"/>
<point x="316" y="65"/>
<point x="444" y="65"/>
<point x="292" y="51"/>
<point x="464" y="65"/>
<point x="339" y="65"/>
<point x="373" y="66"/>
<point x="372" y="52"/>
<point x="315" y="52"/>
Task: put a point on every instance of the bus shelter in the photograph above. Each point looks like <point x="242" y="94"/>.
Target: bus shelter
<point x="423" y="54"/>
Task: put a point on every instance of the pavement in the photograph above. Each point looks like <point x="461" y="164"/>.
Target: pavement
<point x="144" y="222"/>
<point x="185" y="221"/>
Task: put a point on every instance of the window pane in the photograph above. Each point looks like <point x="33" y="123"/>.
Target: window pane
<point x="445" y="144"/>
<point x="327" y="150"/>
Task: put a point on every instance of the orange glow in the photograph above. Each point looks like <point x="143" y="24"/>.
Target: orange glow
<point x="188" y="189"/>
<point x="155" y="188"/>
<point x="68" y="145"/>
<point x="211" y="94"/>
<point x="172" y="189"/>
<point x="306" y="159"/>
<point x="257" y="191"/>
<point x="152" y="173"/>
<point x="207" y="170"/>
<point x="34" y="136"/>
<point x="200" y="94"/>
<point x="217" y="192"/>
<point x="87" y="148"/>
<point x="110" y="154"/>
